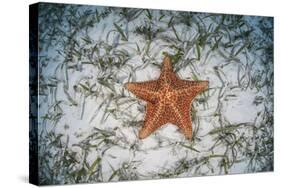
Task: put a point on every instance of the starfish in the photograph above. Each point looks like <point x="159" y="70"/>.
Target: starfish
<point x="169" y="100"/>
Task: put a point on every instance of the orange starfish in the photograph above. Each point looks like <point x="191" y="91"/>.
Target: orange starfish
<point x="168" y="100"/>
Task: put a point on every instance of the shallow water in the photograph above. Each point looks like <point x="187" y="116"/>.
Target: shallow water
<point x="89" y="123"/>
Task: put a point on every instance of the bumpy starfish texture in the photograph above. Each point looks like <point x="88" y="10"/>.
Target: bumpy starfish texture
<point x="168" y="100"/>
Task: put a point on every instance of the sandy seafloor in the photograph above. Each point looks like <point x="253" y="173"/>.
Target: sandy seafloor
<point x="88" y="122"/>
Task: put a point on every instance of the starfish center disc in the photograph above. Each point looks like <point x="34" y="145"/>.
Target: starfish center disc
<point x="168" y="96"/>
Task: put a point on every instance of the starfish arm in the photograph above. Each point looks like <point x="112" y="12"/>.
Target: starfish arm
<point x="192" y="88"/>
<point x="149" y="112"/>
<point x="144" y="90"/>
<point x="167" y="64"/>
<point x="167" y="75"/>
<point x="178" y="84"/>
<point x="153" y="120"/>
<point x="182" y="118"/>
